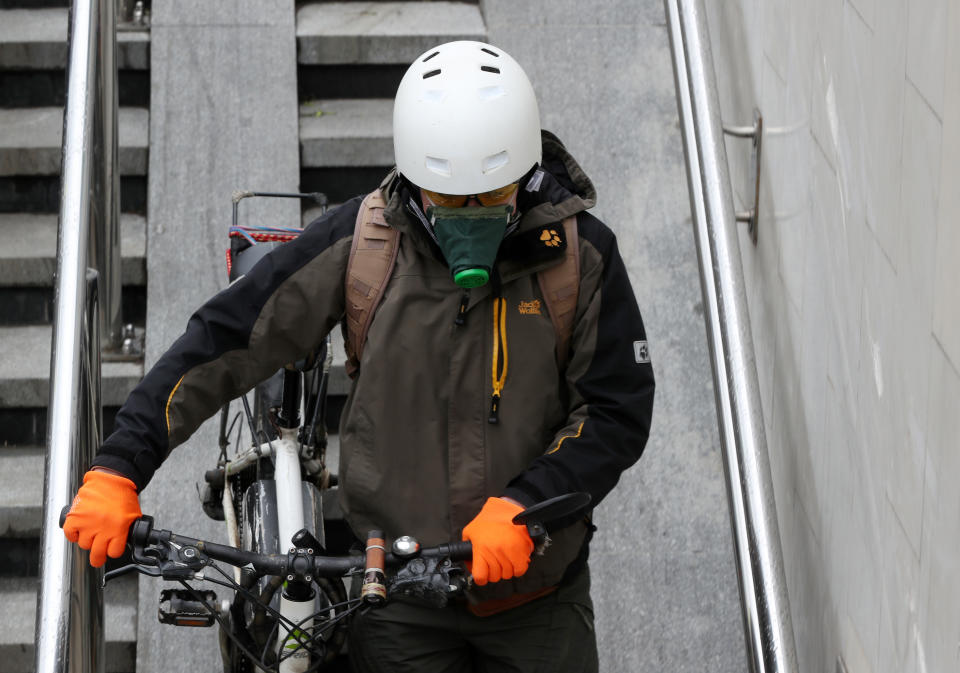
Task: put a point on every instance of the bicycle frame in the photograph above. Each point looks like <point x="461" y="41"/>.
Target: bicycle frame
<point x="284" y="500"/>
<point x="285" y="449"/>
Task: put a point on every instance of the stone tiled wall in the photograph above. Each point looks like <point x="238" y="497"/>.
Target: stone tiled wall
<point x="223" y="117"/>
<point x="854" y="292"/>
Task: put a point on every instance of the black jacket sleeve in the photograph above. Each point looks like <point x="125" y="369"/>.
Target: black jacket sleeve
<point x="610" y="384"/>
<point x="276" y="314"/>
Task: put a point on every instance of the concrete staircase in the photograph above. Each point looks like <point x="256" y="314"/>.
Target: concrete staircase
<point x="33" y="41"/>
<point x="351" y="56"/>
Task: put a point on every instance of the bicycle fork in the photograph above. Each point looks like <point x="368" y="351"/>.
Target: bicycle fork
<point x="297" y="599"/>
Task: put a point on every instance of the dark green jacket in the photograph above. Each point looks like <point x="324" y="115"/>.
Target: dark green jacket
<point x="418" y="455"/>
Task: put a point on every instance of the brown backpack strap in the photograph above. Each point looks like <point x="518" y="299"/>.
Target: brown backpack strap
<point x="560" y="286"/>
<point x="373" y="254"/>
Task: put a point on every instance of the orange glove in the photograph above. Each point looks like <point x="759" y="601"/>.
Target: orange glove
<point x="101" y="514"/>
<point x="501" y="549"/>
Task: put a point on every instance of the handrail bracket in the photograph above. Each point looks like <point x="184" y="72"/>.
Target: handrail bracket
<point x="755" y="133"/>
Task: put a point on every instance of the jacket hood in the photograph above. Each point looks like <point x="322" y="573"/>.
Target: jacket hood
<point x="558" y="189"/>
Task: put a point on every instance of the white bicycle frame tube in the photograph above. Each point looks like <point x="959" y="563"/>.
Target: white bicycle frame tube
<point x="230" y="518"/>
<point x="290" y="520"/>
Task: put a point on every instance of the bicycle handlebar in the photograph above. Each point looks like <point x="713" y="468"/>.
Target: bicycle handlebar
<point x="306" y="562"/>
<point x="277" y="564"/>
<point x="142" y="533"/>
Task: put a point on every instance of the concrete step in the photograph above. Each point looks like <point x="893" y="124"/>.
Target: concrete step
<point x="346" y="133"/>
<point x="33" y="4"/>
<point x="41" y="193"/>
<point x="341" y="183"/>
<point x="31" y="138"/>
<point x="17" y="628"/>
<point x="27" y="426"/>
<point x="36" y="39"/>
<point x="28" y="256"/>
<point x="21" y="491"/>
<point x="34" y="305"/>
<point x="48" y="88"/>
<point x="25" y="370"/>
<point x="331" y="33"/>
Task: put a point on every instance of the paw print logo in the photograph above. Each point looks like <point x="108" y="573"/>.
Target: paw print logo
<point x="550" y="238"/>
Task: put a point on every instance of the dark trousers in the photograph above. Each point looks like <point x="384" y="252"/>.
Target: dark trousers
<point x="552" y="634"/>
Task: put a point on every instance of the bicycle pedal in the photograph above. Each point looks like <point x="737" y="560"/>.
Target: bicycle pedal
<point x="183" y="608"/>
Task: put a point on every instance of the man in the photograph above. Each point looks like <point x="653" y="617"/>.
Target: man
<point x="478" y="390"/>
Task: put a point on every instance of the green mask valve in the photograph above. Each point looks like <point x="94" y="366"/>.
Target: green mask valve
<point x="469" y="238"/>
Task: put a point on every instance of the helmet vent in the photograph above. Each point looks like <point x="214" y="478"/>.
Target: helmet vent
<point x="492" y="53"/>
<point x="432" y="73"/>
<point x="488" y="68"/>
<point x="495" y="161"/>
<point x="434" y="54"/>
<point x="491" y="92"/>
<point x="439" y="166"/>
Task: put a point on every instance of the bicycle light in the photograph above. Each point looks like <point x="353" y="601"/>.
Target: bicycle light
<point x="406" y="547"/>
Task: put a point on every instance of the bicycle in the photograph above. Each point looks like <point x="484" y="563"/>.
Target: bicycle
<point x="290" y="605"/>
<point x="307" y="638"/>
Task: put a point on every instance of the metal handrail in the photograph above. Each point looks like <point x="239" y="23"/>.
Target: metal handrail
<point x="763" y="591"/>
<point x="69" y="633"/>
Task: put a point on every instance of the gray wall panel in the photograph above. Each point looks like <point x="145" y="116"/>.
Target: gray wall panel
<point x="223" y="118"/>
<point x="855" y="300"/>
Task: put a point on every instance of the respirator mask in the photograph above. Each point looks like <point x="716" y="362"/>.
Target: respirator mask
<point x="469" y="238"/>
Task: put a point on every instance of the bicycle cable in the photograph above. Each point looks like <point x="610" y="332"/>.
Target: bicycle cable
<point x="339" y="613"/>
<point x="294" y="629"/>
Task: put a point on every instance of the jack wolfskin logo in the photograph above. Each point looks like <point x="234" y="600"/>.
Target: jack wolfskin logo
<point x="530" y="307"/>
<point x="641" y="353"/>
<point x="550" y="238"/>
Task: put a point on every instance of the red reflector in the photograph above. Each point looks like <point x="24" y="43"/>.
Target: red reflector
<point x="181" y="621"/>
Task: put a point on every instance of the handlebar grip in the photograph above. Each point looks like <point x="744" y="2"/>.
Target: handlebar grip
<point x="461" y="551"/>
<point x="63" y="515"/>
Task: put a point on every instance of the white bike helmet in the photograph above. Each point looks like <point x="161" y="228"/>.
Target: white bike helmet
<point x="465" y="120"/>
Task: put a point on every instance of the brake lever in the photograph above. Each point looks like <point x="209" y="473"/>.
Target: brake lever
<point x="127" y="569"/>
<point x="147" y="556"/>
<point x="536" y="517"/>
